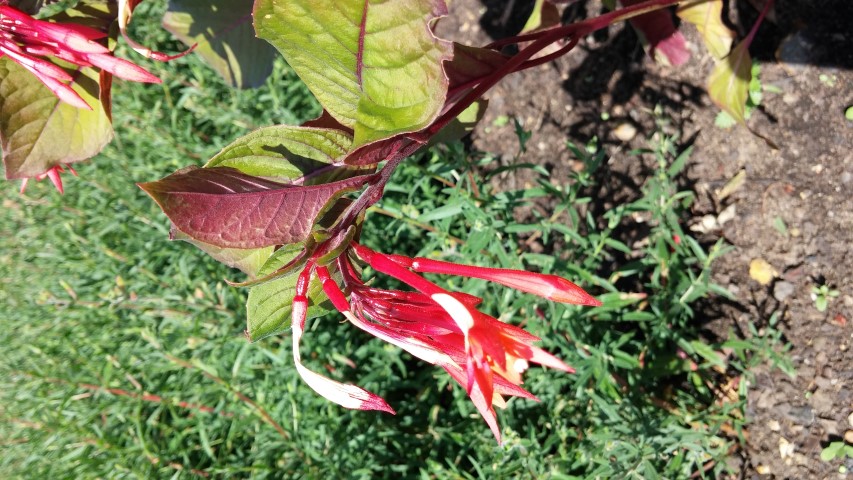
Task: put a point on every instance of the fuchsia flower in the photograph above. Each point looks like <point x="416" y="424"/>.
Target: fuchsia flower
<point x="53" y="174"/>
<point x="30" y="43"/>
<point x="483" y="354"/>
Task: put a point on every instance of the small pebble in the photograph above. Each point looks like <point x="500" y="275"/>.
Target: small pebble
<point x="762" y="470"/>
<point x="625" y="132"/>
<point x="774" y="425"/>
<point x="848" y="436"/>
<point x="786" y="448"/>
<point x="850" y="419"/>
<point x="782" y="290"/>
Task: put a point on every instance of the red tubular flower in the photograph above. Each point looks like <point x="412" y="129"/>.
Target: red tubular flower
<point x="484" y="355"/>
<point x="29" y="42"/>
<point x="53" y="174"/>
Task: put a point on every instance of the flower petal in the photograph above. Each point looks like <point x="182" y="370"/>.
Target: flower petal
<point x="347" y="396"/>
<point x="552" y="287"/>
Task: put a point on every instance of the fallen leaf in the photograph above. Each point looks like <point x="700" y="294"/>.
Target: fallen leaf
<point x="732" y="185"/>
<point x="761" y="271"/>
<point x="786" y="448"/>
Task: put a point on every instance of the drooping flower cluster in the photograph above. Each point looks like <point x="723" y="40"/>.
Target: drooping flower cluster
<point x="481" y="353"/>
<point x="31" y="43"/>
<point x="35" y="44"/>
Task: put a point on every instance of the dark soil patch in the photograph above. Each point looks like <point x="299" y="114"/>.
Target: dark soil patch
<point x="805" y="185"/>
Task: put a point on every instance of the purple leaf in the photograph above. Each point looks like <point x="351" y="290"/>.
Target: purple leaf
<point x="224" y="207"/>
<point x="666" y="44"/>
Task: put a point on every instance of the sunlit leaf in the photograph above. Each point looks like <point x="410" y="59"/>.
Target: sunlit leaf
<point x="225" y="38"/>
<point x="468" y="66"/>
<point x="463" y="124"/>
<point x="707" y="16"/>
<point x="247" y="260"/>
<point x="374" y="66"/>
<point x="287" y="153"/>
<point x="268" y="307"/>
<point x="226" y="208"/>
<point x="38" y="131"/>
<point x="728" y="84"/>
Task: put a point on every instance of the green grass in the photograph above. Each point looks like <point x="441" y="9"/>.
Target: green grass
<point x="123" y="354"/>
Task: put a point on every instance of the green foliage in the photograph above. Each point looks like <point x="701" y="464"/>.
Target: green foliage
<point x="223" y="35"/>
<point x="753" y="100"/>
<point x="836" y="450"/>
<point x="355" y="56"/>
<point x="822" y="294"/>
<point x="728" y="84"/>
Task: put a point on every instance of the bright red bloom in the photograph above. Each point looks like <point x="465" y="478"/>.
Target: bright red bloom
<point x="31" y="42"/>
<point x="483" y="354"/>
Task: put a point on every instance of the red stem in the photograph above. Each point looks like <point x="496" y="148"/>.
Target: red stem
<point x="748" y="40"/>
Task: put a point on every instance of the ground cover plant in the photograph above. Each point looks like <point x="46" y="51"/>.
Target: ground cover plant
<point x="590" y="431"/>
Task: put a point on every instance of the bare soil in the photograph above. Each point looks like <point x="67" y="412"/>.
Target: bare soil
<point x="794" y="211"/>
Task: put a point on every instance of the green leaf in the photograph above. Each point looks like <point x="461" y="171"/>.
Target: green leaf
<point x="225" y="38"/>
<point x="98" y="14"/>
<point x="268" y="307"/>
<point x="707" y="353"/>
<point x="545" y="14"/>
<point x="37" y="131"/>
<point x="707" y="16"/>
<point x="375" y="66"/>
<point x="833" y="450"/>
<point x="728" y="84"/>
<point x="462" y="125"/>
<point x="724" y="120"/>
<point x="249" y="261"/>
<point x="224" y="207"/>
<point x="287" y="153"/>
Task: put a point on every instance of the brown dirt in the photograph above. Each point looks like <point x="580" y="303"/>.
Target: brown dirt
<point x="805" y="184"/>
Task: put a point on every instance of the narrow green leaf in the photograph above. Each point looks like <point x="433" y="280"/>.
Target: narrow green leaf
<point x="37" y="131"/>
<point x="439" y="213"/>
<point x="728" y="84"/>
<point x="707" y="352"/>
<point x="374" y="66"/>
<point x="678" y="164"/>
<point x="225" y="38"/>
